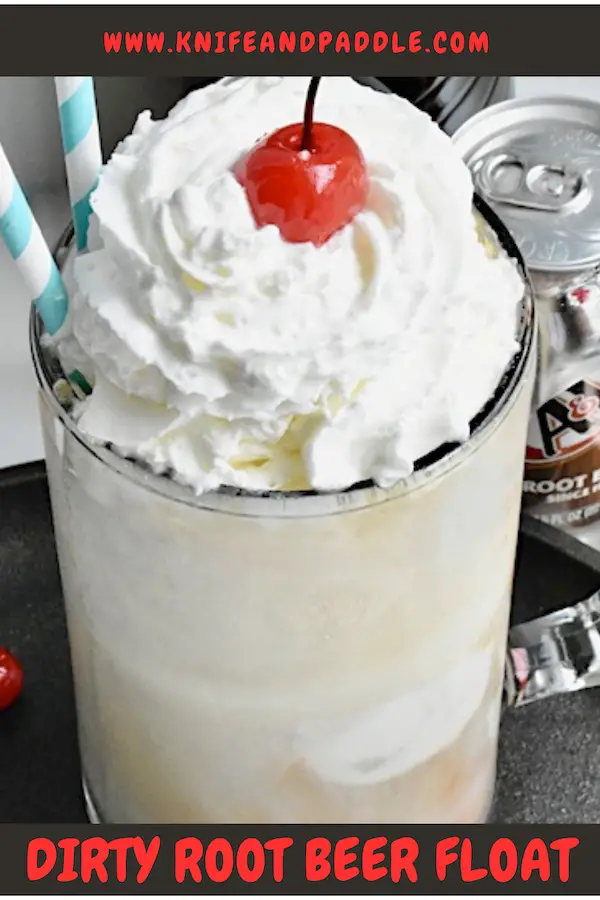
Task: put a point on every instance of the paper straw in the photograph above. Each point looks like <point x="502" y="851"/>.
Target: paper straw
<point x="81" y="145"/>
<point x="26" y="245"/>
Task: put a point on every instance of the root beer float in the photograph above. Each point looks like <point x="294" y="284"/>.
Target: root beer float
<point x="286" y="569"/>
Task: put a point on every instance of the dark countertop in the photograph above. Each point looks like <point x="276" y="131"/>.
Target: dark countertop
<point x="549" y="752"/>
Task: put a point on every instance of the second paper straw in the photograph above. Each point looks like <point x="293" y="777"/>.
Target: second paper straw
<point x="81" y="145"/>
<point x="21" y="234"/>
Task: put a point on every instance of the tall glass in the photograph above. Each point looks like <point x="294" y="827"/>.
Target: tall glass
<point x="291" y="657"/>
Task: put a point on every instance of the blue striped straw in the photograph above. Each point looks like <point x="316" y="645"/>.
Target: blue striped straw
<point x="26" y="244"/>
<point x="81" y="145"/>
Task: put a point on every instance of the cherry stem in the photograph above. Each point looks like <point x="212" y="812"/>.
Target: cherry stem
<point x="309" y="110"/>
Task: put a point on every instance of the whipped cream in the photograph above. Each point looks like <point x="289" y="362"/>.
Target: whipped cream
<point x="224" y="355"/>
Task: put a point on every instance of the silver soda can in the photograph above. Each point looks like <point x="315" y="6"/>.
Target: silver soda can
<point x="537" y="163"/>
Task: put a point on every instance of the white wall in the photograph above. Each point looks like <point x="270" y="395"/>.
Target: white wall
<point x="29" y="123"/>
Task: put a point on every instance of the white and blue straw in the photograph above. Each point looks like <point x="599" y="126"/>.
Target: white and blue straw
<point x="81" y="145"/>
<point x="26" y="244"/>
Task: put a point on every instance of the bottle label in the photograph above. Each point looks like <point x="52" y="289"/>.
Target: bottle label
<point x="562" y="465"/>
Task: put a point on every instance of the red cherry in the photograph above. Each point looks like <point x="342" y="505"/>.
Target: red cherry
<point x="11" y="678"/>
<point x="308" y="179"/>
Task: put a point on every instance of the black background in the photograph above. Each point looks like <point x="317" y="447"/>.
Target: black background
<point x="553" y="40"/>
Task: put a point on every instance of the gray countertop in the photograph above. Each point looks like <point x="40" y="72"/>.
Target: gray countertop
<point x="549" y="752"/>
<point x="549" y="762"/>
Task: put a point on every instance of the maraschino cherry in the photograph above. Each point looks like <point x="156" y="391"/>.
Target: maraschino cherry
<point x="11" y="678"/>
<point x="308" y="179"/>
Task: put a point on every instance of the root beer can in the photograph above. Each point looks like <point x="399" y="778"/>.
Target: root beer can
<point x="537" y="163"/>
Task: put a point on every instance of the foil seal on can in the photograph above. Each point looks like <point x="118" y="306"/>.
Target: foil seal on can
<point x="537" y="163"/>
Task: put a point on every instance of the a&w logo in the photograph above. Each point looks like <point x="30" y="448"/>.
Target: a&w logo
<point x="566" y="424"/>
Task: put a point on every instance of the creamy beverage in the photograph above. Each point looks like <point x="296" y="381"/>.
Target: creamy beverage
<point x="286" y="552"/>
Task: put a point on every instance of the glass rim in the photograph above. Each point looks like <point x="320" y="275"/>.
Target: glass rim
<point x="428" y="468"/>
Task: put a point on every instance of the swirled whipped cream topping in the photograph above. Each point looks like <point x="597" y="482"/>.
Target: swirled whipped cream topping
<point x="221" y="354"/>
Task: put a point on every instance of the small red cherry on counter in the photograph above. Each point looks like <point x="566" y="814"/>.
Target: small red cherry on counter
<point x="308" y="179"/>
<point x="11" y="678"/>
